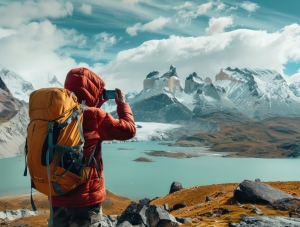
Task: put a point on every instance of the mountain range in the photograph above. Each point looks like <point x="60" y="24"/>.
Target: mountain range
<point x="245" y="94"/>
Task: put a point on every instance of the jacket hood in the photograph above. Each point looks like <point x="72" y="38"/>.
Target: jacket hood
<point x="85" y="84"/>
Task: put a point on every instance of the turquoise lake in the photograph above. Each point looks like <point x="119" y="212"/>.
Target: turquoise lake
<point x="137" y="180"/>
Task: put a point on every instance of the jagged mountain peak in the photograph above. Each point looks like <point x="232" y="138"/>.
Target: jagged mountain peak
<point x="54" y="82"/>
<point x="19" y="87"/>
<point x="171" y="72"/>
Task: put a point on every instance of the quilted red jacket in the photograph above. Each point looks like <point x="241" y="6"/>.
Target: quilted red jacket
<point x="98" y="126"/>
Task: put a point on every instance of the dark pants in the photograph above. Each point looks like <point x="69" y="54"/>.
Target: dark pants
<point x="77" y="217"/>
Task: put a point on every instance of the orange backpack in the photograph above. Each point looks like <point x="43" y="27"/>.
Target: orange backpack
<point x="54" y="143"/>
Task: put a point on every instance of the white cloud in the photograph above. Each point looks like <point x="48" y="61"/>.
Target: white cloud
<point x="220" y="6"/>
<point x="154" y="25"/>
<point x="132" y="31"/>
<point x="232" y="8"/>
<point x="249" y="6"/>
<point x="6" y="32"/>
<point x="17" y="13"/>
<point x="203" y="8"/>
<point x="184" y="5"/>
<point x="205" y="55"/>
<point x="185" y="16"/>
<point x="217" y="25"/>
<point x="86" y="9"/>
<point x="104" y="40"/>
<point x="130" y="2"/>
<point x="32" y="51"/>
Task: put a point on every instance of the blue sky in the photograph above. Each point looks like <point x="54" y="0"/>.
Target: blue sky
<point x="124" y="40"/>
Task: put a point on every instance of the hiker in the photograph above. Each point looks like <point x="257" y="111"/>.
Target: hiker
<point x="82" y="206"/>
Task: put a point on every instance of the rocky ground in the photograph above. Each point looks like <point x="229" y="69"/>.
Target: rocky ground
<point x="212" y="205"/>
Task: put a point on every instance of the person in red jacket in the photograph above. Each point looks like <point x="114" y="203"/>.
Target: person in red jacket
<point x="82" y="206"/>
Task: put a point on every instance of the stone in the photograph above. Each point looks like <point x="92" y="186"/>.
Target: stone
<point x="257" y="192"/>
<point x="183" y="220"/>
<point x="208" y="199"/>
<point x="145" y="202"/>
<point x="178" y="206"/>
<point x="175" y="186"/>
<point x="260" y="221"/>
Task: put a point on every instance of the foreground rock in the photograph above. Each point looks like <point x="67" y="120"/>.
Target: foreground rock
<point x="141" y="215"/>
<point x="267" y="222"/>
<point x="257" y="192"/>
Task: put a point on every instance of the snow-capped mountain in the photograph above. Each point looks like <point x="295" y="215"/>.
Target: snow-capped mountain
<point x="13" y="123"/>
<point x="53" y="82"/>
<point x="19" y="87"/>
<point x="199" y="96"/>
<point x="259" y="93"/>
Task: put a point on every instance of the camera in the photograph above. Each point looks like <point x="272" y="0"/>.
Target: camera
<point x="109" y="94"/>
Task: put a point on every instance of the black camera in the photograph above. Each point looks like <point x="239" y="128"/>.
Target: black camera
<point x="109" y="94"/>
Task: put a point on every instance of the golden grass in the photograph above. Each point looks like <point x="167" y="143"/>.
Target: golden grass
<point x="194" y="197"/>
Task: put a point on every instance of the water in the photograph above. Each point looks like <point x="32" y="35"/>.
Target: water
<point x="138" y="180"/>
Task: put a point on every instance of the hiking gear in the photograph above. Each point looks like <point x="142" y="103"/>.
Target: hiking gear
<point x="54" y="142"/>
<point x="97" y="127"/>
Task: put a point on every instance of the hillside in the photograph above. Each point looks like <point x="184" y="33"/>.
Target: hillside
<point x="201" y="213"/>
<point x="271" y="138"/>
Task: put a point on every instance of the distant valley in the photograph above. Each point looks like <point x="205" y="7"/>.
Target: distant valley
<point x="250" y="112"/>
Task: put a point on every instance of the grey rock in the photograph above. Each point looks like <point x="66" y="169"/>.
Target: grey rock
<point x="257" y="211"/>
<point x="208" y="199"/>
<point x="145" y="202"/>
<point x="108" y="221"/>
<point x="183" y="220"/>
<point x="257" y="192"/>
<point x="166" y="206"/>
<point x="140" y="215"/>
<point x="159" y="217"/>
<point x="259" y="221"/>
<point x="178" y="206"/>
<point x="175" y="186"/>
<point x="135" y="214"/>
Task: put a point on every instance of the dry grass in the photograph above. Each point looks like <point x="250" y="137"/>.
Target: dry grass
<point x="197" y="209"/>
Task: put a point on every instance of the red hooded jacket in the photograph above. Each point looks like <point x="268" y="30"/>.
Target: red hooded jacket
<point x="98" y="126"/>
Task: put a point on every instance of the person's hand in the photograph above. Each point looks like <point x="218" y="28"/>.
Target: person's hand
<point x="119" y="97"/>
<point x="101" y="101"/>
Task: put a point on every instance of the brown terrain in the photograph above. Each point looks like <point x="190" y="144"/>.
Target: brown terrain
<point x="276" y="137"/>
<point x="202" y="213"/>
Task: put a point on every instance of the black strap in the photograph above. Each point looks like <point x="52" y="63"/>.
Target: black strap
<point x="26" y="151"/>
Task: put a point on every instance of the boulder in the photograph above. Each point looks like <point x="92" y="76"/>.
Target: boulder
<point x="175" y="186"/>
<point x="178" y="206"/>
<point x="145" y="202"/>
<point x="140" y="215"/>
<point x="108" y="221"/>
<point x="260" y="221"/>
<point x="257" y="192"/>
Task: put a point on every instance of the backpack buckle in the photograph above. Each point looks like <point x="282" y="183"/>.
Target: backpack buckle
<point x="50" y="127"/>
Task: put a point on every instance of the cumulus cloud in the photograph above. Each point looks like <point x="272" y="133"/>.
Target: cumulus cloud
<point x="17" y="13"/>
<point x="249" y="6"/>
<point x="86" y="8"/>
<point x="6" y="32"/>
<point x="217" y="25"/>
<point x="154" y="25"/>
<point x="35" y="48"/>
<point x="104" y="40"/>
<point x="185" y="16"/>
<point x="184" y="5"/>
<point x="205" y="55"/>
<point x="130" y="2"/>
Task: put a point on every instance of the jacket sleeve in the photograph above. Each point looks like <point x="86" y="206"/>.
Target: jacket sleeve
<point x="118" y="129"/>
